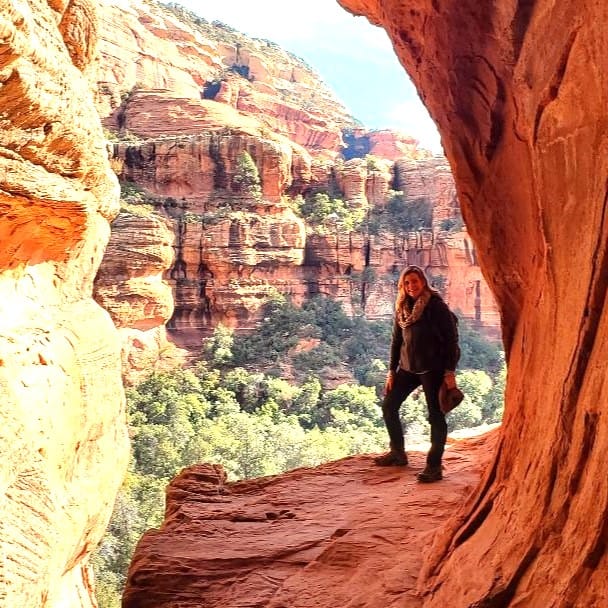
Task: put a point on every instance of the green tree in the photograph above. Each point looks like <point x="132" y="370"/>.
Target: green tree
<point x="476" y="386"/>
<point x="305" y="404"/>
<point x="477" y="351"/>
<point x="494" y="402"/>
<point x="246" y="178"/>
<point x="452" y="224"/>
<point x="352" y="406"/>
<point x="218" y="348"/>
<point x="414" y="416"/>
<point x="281" y="328"/>
<point x="321" y="210"/>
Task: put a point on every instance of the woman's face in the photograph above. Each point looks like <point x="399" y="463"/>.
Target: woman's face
<point x="413" y="285"/>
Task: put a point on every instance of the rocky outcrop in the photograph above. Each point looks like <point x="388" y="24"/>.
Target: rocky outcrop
<point x="130" y="286"/>
<point x="227" y="267"/>
<point x="146" y="46"/>
<point x="386" y="143"/>
<point x="199" y="169"/>
<point x="299" y="539"/>
<point x="63" y="434"/>
<point x="525" y="139"/>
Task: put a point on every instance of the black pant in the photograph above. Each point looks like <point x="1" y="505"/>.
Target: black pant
<point x="403" y="384"/>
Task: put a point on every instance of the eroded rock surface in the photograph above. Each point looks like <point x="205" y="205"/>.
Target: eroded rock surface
<point x="63" y="434"/>
<point x="130" y="286"/>
<point x="145" y="46"/>
<point x="518" y="91"/>
<point x="345" y="533"/>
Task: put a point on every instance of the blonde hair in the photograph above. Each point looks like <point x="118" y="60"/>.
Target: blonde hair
<point x="401" y="295"/>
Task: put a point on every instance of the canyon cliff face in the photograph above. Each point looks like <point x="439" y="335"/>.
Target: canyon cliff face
<point x="145" y="46"/>
<point x="63" y="432"/>
<point x="180" y="139"/>
<point x="518" y="91"/>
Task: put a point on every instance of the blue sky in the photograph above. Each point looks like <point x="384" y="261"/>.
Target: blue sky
<point x="352" y="56"/>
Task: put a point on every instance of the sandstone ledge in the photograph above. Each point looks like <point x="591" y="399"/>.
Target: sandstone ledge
<point x="317" y="537"/>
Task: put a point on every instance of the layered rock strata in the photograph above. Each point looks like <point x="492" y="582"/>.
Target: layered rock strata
<point x="181" y="140"/>
<point x="231" y="251"/>
<point x="63" y="435"/>
<point x="523" y="125"/>
<point x="130" y="286"/>
<point x="147" y="46"/>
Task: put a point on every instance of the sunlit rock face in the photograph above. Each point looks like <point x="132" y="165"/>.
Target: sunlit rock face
<point x="232" y="252"/>
<point x="130" y="286"/>
<point x="186" y="99"/>
<point x="394" y="145"/>
<point x="518" y="91"/>
<point x="63" y="430"/>
<point x="144" y="46"/>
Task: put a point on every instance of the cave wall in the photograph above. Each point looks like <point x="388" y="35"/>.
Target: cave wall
<point x="518" y="91"/>
<point x="63" y="434"/>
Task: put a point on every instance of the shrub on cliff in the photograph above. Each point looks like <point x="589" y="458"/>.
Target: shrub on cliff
<point x="400" y="215"/>
<point x="246" y="178"/>
<point x="452" y="224"/>
<point x="323" y="213"/>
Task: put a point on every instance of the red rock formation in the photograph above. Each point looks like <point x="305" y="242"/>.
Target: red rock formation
<point x="129" y="285"/>
<point x="63" y="435"/>
<point x="518" y="92"/>
<point x="393" y="145"/>
<point x="186" y="149"/>
<point x="199" y="168"/>
<point x="300" y="539"/>
<point x="145" y="46"/>
<point x="228" y="260"/>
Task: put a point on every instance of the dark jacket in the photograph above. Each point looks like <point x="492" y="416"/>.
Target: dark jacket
<point x="429" y="344"/>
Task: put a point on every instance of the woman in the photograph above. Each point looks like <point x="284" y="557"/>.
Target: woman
<point x="424" y="351"/>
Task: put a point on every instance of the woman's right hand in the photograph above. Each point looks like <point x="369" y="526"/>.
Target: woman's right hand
<point x="388" y="385"/>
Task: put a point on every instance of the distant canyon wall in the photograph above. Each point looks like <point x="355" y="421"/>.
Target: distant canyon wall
<point x="232" y="252"/>
<point x="184" y="101"/>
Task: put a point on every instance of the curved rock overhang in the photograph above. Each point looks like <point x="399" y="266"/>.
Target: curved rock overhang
<point x="518" y="91"/>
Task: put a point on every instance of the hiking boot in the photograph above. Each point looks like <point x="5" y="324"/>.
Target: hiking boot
<point x="391" y="459"/>
<point x="430" y="474"/>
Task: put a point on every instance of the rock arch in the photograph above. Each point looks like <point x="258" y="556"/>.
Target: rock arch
<point x="518" y="91"/>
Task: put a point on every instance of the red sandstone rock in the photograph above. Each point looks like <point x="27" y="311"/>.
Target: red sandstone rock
<point x="199" y="168"/>
<point x="524" y="132"/>
<point x="394" y="145"/>
<point x="518" y="93"/>
<point x="228" y="263"/>
<point x="186" y="149"/>
<point x="144" y="46"/>
<point x="63" y="435"/>
<point x="343" y="534"/>
<point x="129" y="285"/>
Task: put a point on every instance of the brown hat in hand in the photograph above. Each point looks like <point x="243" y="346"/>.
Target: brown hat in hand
<point x="449" y="398"/>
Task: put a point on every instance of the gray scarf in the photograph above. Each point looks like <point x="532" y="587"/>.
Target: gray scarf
<point x="407" y="314"/>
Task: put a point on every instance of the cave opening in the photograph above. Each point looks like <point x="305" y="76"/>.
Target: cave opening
<point x="285" y="335"/>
